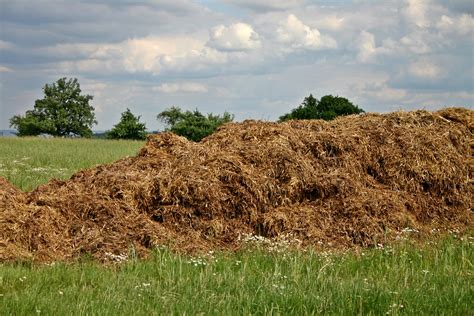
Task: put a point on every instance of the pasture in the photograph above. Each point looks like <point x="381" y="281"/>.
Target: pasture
<point x="30" y="161"/>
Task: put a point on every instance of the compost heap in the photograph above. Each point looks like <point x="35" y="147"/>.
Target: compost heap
<point x="354" y="181"/>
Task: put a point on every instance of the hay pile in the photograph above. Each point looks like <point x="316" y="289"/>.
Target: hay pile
<point x="357" y="180"/>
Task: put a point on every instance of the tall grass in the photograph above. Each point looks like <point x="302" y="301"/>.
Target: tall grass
<point x="404" y="280"/>
<point x="29" y="162"/>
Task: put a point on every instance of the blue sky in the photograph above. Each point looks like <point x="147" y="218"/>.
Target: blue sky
<point x="256" y="59"/>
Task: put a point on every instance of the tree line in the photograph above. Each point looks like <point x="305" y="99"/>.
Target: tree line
<point x="65" y="112"/>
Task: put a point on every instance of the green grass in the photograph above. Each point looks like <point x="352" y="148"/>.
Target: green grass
<point x="405" y="280"/>
<point x="29" y="162"/>
<point x="434" y="279"/>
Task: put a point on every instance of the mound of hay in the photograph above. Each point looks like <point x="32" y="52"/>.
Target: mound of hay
<point x="357" y="180"/>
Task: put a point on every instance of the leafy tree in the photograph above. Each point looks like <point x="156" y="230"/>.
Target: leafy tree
<point x="328" y="108"/>
<point x="63" y="111"/>
<point x="129" y="127"/>
<point x="306" y="110"/>
<point x="28" y="125"/>
<point x="192" y="124"/>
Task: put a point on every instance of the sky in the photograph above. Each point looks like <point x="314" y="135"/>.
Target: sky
<point x="255" y="59"/>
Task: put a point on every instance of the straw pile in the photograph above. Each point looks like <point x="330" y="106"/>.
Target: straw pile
<point x="354" y="181"/>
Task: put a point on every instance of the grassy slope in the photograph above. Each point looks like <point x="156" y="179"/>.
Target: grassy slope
<point x="28" y="162"/>
<point x="437" y="279"/>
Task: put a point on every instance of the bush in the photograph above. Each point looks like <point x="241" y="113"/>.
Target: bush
<point x="328" y="108"/>
<point x="129" y="127"/>
<point x="192" y="124"/>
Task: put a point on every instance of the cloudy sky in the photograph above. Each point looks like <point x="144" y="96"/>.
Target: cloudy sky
<point x="256" y="59"/>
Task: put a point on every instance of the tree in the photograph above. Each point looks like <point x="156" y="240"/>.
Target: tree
<point x="192" y="124"/>
<point x="129" y="127"/>
<point x="306" y="110"/>
<point x="63" y="111"/>
<point x="328" y="108"/>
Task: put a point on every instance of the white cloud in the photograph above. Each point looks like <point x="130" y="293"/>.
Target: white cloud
<point x="145" y="54"/>
<point x="196" y="60"/>
<point x="296" y="34"/>
<point x="416" y="43"/>
<point x="445" y="23"/>
<point x="431" y="100"/>
<point x="186" y="87"/>
<point x="332" y="22"/>
<point x="265" y="5"/>
<point x="425" y="69"/>
<point x="91" y="66"/>
<point x="416" y="12"/>
<point x="368" y="51"/>
<point x="463" y="25"/>
<point x="235" y="37"/>
<point x="366" y="45"/>
<point x="380" y="91"/>
<point x="4" y="45"/>
<point x="5" y="69"/>
<point x="151" y="55"/>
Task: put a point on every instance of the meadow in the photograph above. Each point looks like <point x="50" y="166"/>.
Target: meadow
<point x="407" y="278"/>
<point x="30" y="161"/>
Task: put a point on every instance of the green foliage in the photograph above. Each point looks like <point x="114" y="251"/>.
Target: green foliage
<point x="328" y="108"/>
<point x="129" y="127"/>
<point x="29" y="125"/>
<point x="307" y="110"/>
<point x="62" y="112"/>
<point x="192" y="124"/>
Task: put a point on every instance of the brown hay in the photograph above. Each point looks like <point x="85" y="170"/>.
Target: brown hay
<point x="356" y="180"/>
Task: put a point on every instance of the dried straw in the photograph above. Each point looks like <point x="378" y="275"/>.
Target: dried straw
<point x="353" y="181"/>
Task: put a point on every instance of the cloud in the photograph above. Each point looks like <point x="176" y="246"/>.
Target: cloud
<point x="425" y="69"/>
<point x="254" y="58"/>
<point x="235" y="37"/>
<point x="416" y="12"/>
<point x="5" y="69"/>
<point x="266" y="5"/>
<point x="416" y="43"/>
<point x="296" y="34"/>
<point x="204" y="61"/>
<point x="457" y="6"/>
<point x="368" y="51"/>
<point x="380" y="91"/>
<point x="4" y="45"/>
<point x="184" y="87"/>
<point x="332" y="22"/>
<point x="366" y="45"/>
<point x="49" y="22"/>
<point x="463" y="25"/>
<point x="436" y="73"/>
<point x="150" y="55"/>
<point x="145" y="54"/>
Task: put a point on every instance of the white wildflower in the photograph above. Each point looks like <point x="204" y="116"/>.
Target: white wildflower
<point x="114" y="257"/>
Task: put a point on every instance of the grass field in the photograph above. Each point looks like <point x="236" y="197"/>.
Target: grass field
<point x="435" y="278"/>
<point x="29" y="162"/>
<point x="404" y="280"/>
